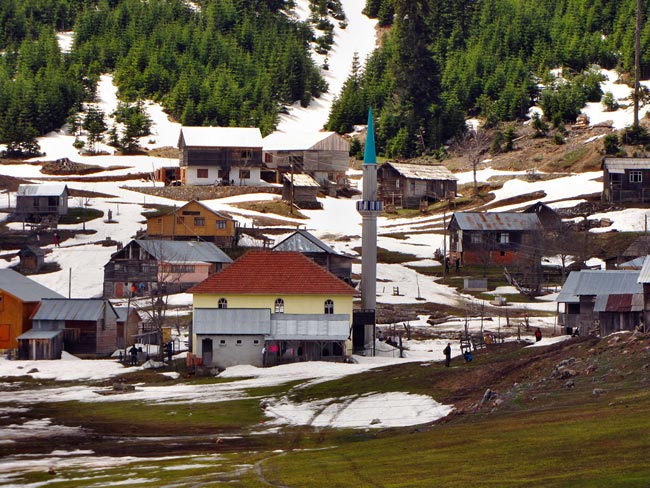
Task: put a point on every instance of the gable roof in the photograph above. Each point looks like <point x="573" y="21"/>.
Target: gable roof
<point x="269" y="272"/>
<point x="212" y="211"/>
<point x="183" y="251"/>
<point x="496" y="221"/>
<point x="23" y="288"/>
<point x="221" y="137"/>
<point x="303" y="141"/>
<point x="639" y="247"/>
<point x="121" y="312"/>
<point x="90" y="309"/>
<point x="300" y="179"/>
<point x="422" y="171"/>
<point x="303" y="241"/>
<point x="45" y="190"/>
<point x="619" y="165"/>
<point x="599" y="282"/>
<point x="31" y="250"/>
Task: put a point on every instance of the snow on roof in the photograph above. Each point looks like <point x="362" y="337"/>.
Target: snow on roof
<point x="221" y="136"/>
<point x="619" y="165"/>
<point x="262" y="272"/>
<point x="47" y="190"/>
<point x="73" y="309"/>
<point x="497" y="221"/>
<point x="23" y="288"/>
<point x="423" y="171"/>
<point x="183" y="251"/>
<point x="301" y="180"/>
<point x="599" y="282"/>
<point x="295" y="141"/>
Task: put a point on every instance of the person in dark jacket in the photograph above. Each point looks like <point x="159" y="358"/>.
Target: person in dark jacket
<point x="134" y="355"/>
<point x="447" y="351"/>
<point x="538" y="335"/>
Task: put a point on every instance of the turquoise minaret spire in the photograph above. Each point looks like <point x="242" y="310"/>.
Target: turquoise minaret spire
<point x="370" y="154"/>
<point x="369" y="207"/>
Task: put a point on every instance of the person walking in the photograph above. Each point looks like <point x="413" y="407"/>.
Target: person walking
<point x="134" y="355"/>
<point x="56" y="240"/>
<point x="538" y="335"/>
<point x="447" y="352"/>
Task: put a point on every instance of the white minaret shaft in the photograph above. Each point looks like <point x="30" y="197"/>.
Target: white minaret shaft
<point x="369" y="207"/>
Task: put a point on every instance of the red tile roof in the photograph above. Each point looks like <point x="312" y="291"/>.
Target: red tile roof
<point x="263" y="272"/>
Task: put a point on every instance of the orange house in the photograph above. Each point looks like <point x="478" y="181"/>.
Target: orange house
<point x="19" y="298"/>
<point x="191" y="221"/>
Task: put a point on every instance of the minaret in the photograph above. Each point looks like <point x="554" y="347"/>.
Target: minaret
<point x="369" y="207"/>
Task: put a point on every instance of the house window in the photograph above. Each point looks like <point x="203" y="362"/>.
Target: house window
<point x="476" y="238"/>
<point x="329" y="306"/>
<point x="222" y="303"/>
<point x="222" y="342"/>
<point x="412" y="185"/>
<point x="239" y="342"/>
<point x="202" y="173"/>
<point x="246" y="154"/>
<point x="504" y="238"/>
<point x="221" y="224"/>
<point x="244" y="174"/>
<point x="279" y="305"/>
<point x="199" y="221"/>
<point x="256" y="342"/>
<point x="636" y="176"/>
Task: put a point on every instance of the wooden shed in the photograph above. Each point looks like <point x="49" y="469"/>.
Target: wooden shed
<point x="301" y="190"/>
<point x="33" y="202"/>
<point x="31" y="258"/>
<point x="626" y="180"/>
<point x="407" y="184"/>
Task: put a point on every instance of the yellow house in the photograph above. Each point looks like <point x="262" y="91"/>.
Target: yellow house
<point x="191" y="221"/>
<point x="269" y="308"/>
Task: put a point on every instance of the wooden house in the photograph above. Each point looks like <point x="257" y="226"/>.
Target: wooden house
<point x="19" y="297"/>
<point x="338" y="264"/>
<point x="494" y="238"/>
<point x="194" y="221"/>
<point x="601" y="301"/>
<point x="269" y="308"/>
<point x="128" y="325"/>
<point x="36" y="202"/>
<point x="644" y="281"/>
<point x="161" y="266"/>
<point x="626" y="180"/>
<point x="80" y="326"/>
<point x="549" y="218"/>
<point x="301" y="190"/>
<point x="322" y="155"/>
<point x="407" y="185"/>
<point x="220" y="155"/>
<point x="640" y="247"/>
<point x="32" y="259"/>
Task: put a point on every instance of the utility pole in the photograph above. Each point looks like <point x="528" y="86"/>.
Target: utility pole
<point x="637" y="63"/>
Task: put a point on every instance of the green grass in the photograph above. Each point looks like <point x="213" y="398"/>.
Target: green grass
<point x="80" y="214"/>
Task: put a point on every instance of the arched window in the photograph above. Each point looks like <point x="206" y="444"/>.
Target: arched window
<point x="279" y="305"/>
<point x="329" y="306"/>
<point x="222" y="303"/>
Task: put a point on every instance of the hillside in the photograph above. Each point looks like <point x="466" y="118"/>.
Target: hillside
<point x="522" y="411"/>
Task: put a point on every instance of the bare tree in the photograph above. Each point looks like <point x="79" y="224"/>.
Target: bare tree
<point x="473" y="143"/>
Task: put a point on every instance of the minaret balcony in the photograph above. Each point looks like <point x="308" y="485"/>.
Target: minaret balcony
<point x="370" y="206"/>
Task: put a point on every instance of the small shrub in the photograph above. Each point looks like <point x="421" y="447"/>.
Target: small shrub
<point x="609" y="102"/>
<point x="558" y="139"/>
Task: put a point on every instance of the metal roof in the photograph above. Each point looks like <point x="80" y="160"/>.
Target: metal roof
<point x="221" y="137"/>
<point x="183" y="251"/>
<point x="91" y="309"/>
<point x="39" y="334"/>
<point x="303" y="241"/>
<point x="121" y="312"/>
<point x="635" y="263"/>
<point x="45" y="190"/>
<point x="303" y="141"/>
<point x="619" y="165"/>
<point x="599" y="282"/>
<point x="644" y="274"/>
<point x="423" y="171"/>
<point x="618" y="302"/>
<point x="23" y="288"/>
<point x="497" y="221"/>
<point x="300" y="179"/>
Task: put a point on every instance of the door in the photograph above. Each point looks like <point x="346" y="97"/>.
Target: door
<point x="206" y="351"/>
